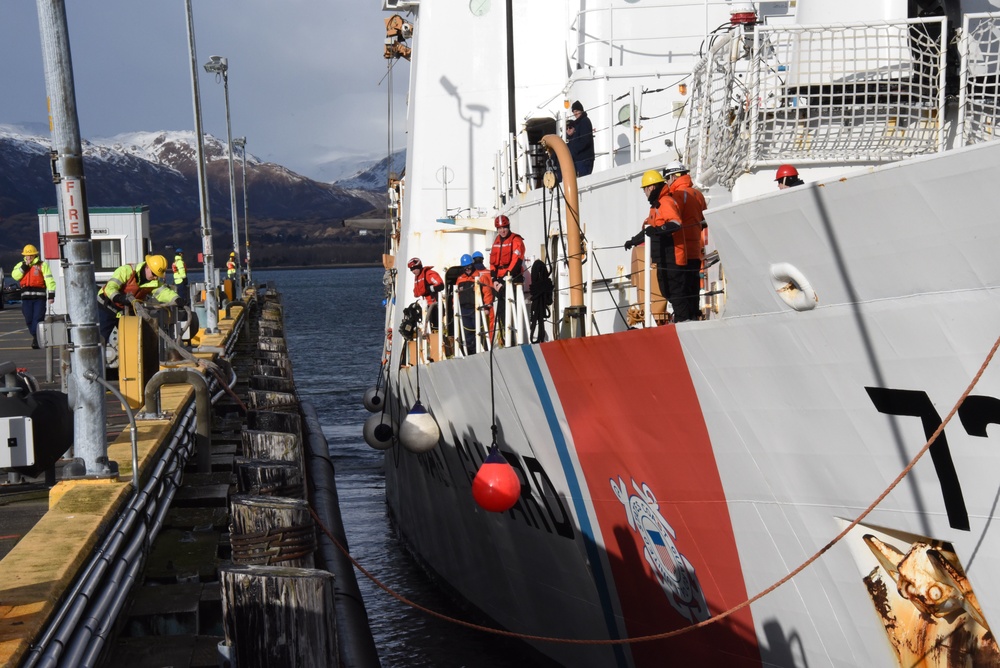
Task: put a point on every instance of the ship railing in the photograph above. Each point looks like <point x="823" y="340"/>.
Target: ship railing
<point x="867" y="93"/>
<point x="513" y="313"/>
<point x="979" y="88"/>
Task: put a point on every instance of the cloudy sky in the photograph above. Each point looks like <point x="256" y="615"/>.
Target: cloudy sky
<point x="304" y="79"/>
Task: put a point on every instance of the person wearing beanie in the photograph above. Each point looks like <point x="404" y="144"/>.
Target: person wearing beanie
<point x="581" y="140"/>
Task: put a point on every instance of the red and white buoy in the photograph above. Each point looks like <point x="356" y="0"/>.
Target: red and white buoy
<point x="496" y="487"/>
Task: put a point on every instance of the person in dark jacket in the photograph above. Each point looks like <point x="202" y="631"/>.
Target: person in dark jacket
<point x="581" y="140"/>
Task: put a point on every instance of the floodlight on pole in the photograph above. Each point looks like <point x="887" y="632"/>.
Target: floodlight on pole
<point x="241" y="143"/>
<point x="219" y="65"/>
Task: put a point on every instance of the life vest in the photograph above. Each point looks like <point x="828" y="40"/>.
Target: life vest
<point x="424" y="282"/>
<point x="33" y="278"/>
<point x="131" y="286"/>
<point x="507" y="257"/>
<point x="178" y="269"/>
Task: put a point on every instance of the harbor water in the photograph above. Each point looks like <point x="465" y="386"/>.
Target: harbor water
<point x="334" y="320"/>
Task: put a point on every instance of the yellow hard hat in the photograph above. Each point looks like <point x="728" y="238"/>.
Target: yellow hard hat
<point x="651" y="177"/>
<point x="157" y="264"/>
<point x="29" y="250"/>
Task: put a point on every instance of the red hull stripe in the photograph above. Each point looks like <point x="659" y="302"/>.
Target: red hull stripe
<point x="648" y="464"/>
<point x="596" y="563"/>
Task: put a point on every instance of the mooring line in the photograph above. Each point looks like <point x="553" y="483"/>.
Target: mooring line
<point x="715" y="618"/>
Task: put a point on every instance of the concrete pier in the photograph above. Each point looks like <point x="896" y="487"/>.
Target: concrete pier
<point x="76" y="551"/>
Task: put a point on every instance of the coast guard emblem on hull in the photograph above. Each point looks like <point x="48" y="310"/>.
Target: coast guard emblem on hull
<point x="672" y="569"/>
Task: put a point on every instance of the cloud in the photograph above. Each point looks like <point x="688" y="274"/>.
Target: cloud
<point x="304" y="74"/>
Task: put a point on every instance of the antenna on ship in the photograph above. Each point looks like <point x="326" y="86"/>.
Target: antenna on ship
<point x="496" y="487"/>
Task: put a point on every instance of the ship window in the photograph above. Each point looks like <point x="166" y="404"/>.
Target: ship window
<point x="107" y="254"/>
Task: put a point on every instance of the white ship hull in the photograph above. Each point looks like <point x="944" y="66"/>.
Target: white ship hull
<point x="672" y="473"/>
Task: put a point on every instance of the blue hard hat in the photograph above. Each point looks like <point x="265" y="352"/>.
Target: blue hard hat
<point x="178" y="251"/>
<point x="477" y="256"/>
<point x="466" y="260"/>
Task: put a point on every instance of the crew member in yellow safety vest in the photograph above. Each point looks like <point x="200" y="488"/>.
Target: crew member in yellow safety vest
<point x="180" y="276"/>
<point x="231" y="266"/>
<point x="132" y="283"/>
<point x="37" y="283"/>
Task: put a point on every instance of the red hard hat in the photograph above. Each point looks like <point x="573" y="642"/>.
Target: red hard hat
<point x="501" y="221"/>
<point x="414" y="263"/>
<point x="785" y="170"/>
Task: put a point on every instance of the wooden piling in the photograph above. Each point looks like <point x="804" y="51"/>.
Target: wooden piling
<point x="268" y="478"/>
<point x="289" y="423"/>
<point x="279" y="616"/>
<point x="271" y="384"/>
<point x="272" y="401"/>
<point x="272" y="445"/>
<point x="271" y="531"/>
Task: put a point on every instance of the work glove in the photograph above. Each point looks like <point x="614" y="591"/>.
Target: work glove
<point x="635" y="241"/>
<point x="651" y="231"/>
<point x="23" y="267"/>
<point x="120" y="299"/>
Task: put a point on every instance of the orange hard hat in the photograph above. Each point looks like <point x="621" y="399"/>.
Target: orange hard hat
<point x="785" y="170"/>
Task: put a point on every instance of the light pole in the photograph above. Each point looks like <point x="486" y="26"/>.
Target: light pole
<point x="241" y="143"/>
<point x="219" y="66"/>
<point x="211" y="304"/>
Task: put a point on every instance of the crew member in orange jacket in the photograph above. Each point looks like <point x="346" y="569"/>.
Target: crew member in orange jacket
<point x="691" y="203"/>
<point x="506" y="259"/>
<point x="465" y="284"/>
<point x="426" y="283"/>
<point x="485" y="279"/>
<point x="664" y="224"/>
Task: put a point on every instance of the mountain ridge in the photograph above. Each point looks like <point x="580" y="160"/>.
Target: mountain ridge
<point x="159" y="169"/>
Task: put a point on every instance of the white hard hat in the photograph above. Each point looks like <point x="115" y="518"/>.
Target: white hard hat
<point x="675" y="167"/>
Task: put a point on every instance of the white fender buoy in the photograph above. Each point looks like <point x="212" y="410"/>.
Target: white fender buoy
<point x="379" y="430"/>
<point x="374" y="399"/>
<point x="793" y="287"/>
<point x="419" y="432"/>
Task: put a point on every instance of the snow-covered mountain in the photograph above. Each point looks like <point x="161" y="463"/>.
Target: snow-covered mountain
<point x="373" y="175"/>
<point x="159" y="169"/>
<point x="134" y="160"/>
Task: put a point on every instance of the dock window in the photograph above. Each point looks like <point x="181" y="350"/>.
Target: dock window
<point x="107" y="254"/>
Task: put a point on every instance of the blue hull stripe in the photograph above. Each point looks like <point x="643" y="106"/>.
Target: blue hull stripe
<point x="596" y="564"/>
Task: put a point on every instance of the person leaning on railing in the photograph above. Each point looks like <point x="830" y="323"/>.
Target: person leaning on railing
<point x="506" y="259"/>
<point x="664" y="224"/>
<point x="130" y="284"/>
<point x="691" y="204"/>
<point x="426" y="283"/>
